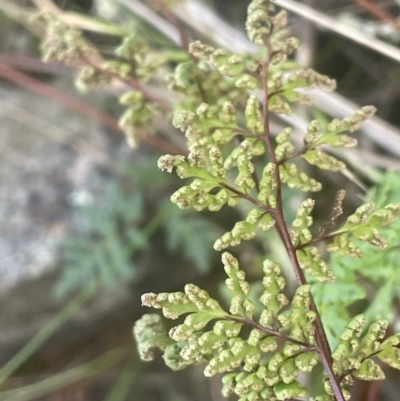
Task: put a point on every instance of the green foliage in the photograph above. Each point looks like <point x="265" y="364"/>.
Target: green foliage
<point x="189" y="235"/>
<point x="105" y="248"/>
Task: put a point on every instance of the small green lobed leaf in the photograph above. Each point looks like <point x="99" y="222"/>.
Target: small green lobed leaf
<point x="391" y="356"/>
<point x="323" y="161"/>
<point x="354" y="328"/>
<point x="309" y="79"/>
<point x="209" y="126"/>
<point x="244" y="152"/>
<point x="276" y="361"/>
<point x="391" y="341"/>
<point x="288" y="371"/>
<point x="352" y="355"/>
<point x="291" y="349"/>
<point x="279" y="20"/>
<point x="298" y="97"/>
<point x="230" y="65"/>
<point x="60" y="42"/>
<point x="258" y="23"/>
<point x="244" y="179"/>
<point x="267" y="185"/>
<point x="300" y="321"/>
<point x="217" y="169"/>
<point x="363" y="225"/>
<point x="255" y="336"/>
<point x="90" y="78"/>
<point x="270" y="377"/>
<point x="245" y="230"/>
<point x="236" y="281"/>
<point x="133" y="48"/>
<point x="313" y="132"/>
<point x="272" y="298"/>
<point x="285" y="146"/>
<point x="369" y="370"/>
<point x="228" y="384"/>
<point x="183" y="119"/>
<point x="268" y="344"/>
<point x="300" y="233"/>
<point x="279" y="106"/>
<point x="366" y="215"/>
<point x="183" y="76"/>
<point x="249" y="387"/>
<point x="240" y="304"/>
<point x="298" y="180"/>
<point x="264" y="342"/>
<point x="173" y="304"/>
<point x="285" y="391"/>
<point x="172" y="357"/>
<point x="376" y="331"/>
<point x="310" y="261"/>
<point x="150" y="333"/>
<point x="195" y="301"/>
<point x="137" y="121"/>
<point x="248" y="82"/>
<point x="237" y="351"/>
<point x="194" y="196"/>
<point x="191" y="351"/>
<point x="253" y="113"/>
<point x="332" y="134"/>
<point x="227" y="328"/>
<point x="306" y="361"/>
<point x="131" y="98"/>
<point x="343" y="246"/>
<point x="210" y="341"/>
<point x="197" y="195"/>
<point x="168" y="162"/>
<point x="283" y="48"/>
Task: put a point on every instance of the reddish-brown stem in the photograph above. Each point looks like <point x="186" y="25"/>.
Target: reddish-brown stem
<point x="249" y="322"/>
<point x="293" y="155"/>
<point x="243" y="195"/>
<point x="320" y="238"/>
<point x="322" y="341"/>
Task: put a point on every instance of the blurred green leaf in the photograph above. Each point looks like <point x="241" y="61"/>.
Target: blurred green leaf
<point x="189" y="234"/>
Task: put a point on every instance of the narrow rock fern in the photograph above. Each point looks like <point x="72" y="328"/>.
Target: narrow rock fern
<point x="261" y="349"/>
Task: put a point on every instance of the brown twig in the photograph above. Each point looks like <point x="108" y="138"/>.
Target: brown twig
<point x="77" y="105"/>
<point x="319" y="238"/>
<point x="34" y="64"/>
<point x="378" y="12"/>
<point x="243" y="195"/>
<point x="48" y="91"/>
